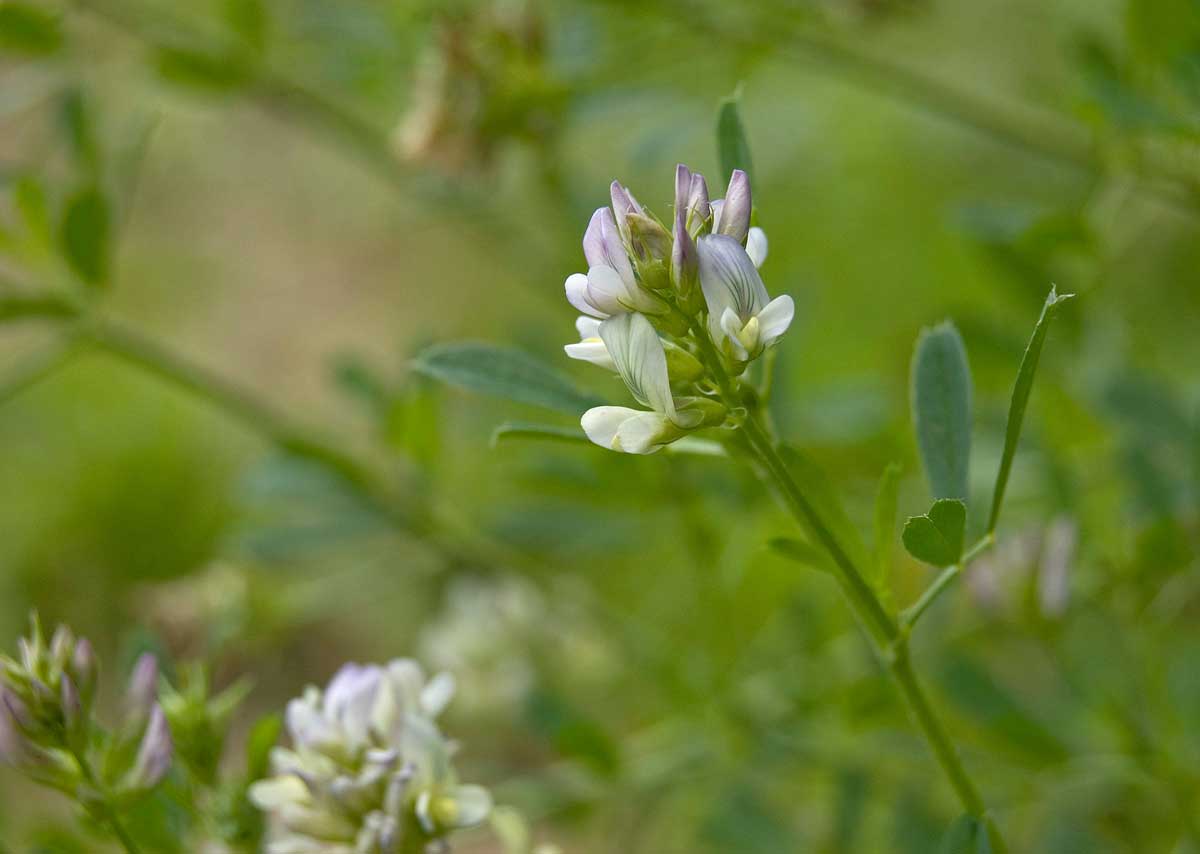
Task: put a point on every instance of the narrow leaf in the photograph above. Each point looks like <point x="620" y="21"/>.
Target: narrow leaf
<point x="968" y="835"/>
<point x="886" y="500"/>
<point x="545" y="432"/>
<point x="248" y="19"/>
<point x="1020" y="399"/>
<point x="263" y="736"/>
<point x="29" y="30"/>
<point x="937" y="537"/>
<point x="198" y="70"/>
<point x="733" y="148"/>
<point x="503" y="372"/>
<point x="84" y="234"/>
<point x="77" y="123"/>
<point x="941" y="405"/>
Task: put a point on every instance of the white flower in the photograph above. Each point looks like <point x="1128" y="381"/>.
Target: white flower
<point x="738" y="308"/>
<point x="609" y="287"/>
<point x="731" y="215"/>
<point x="590" y="347"/>
<point x="368" y="771"/>
<point x="640" y="359"/>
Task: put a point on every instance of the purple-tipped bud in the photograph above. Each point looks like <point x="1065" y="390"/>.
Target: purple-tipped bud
<point x="683" y="258"/>
<point x="683" y="187"/>
<point x="74" y="716"/>
<point x="85" y="670"/>
<point x="602" y="245"/>
<point x="623" y="204"/>
<point x="143" y="687"/>
<point x="691" y="197"/>
<point x="13" y="747"/>
<point x="154" y="753"/>
<point x="735" y="212"/>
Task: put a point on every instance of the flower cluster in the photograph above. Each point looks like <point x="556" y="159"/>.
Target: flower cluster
<point x="675" y="312"/>
<point x="368" y="771"/>
<point x="48" y="731"/>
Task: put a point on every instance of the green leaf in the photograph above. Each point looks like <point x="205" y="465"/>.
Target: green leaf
<point x="1020" y="400"/>
<point x="941" y="408"/>
<point x="886" y="500"/>
<point x="937" y="537"/>
<point x="215" y="73"/>
<point x="77" y="123"/>
<point x="733" y="148"/>
<point x="84" y="235"/>
<point x="28" y="30"/>
<point x="248" y="19"/>
<point x="825" y="502"/>
<point x="263" y="736"/>
<point x="545" y="432"/>
<point x="801" y="552"/>
<point x="971" y="835"/>
<point x="505" y="373"/>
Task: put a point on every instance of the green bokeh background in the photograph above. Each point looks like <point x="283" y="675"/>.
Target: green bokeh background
<point x="681" y="688"/>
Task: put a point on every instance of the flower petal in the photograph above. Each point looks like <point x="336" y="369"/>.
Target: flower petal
<point x="623" y="204"/>
<point x="591" y="350"/>
<point x="640" y="359"/>
<point x="728" y="278"/>
<point x="735" y="214"/>
<point x="602" y="245"/>
<point x="587" y="327"/>
<point x="601" y="423"/>
<point x="683" y="187"/>
<point x="471" y="805"/>
<point x="683" y="256"/>
<point x="775" y="319"/>
<point x="605" y="291"/>
<point x="645" y="433"/>
<point x="756" y="245"/>
<point x="576" y="287"/>
<point x="698" y="207"/>
<point x="732" y="326"/>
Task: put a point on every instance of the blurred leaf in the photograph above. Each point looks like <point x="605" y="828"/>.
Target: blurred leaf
<point x="937" y="537"/>
<point x="801" y="552"/>
<point x="84" y="235"/>
<point x="263" y="736"/>
<point x="360" y="383"/>
<point x="941" y="408"/>
<point x="970" y="835"/>
<point x="733" y="148"/>
<point x="30" y="197"/>
<point x="503" y="372"/>
<point x="77" y="122"/>
<point x="1161" y="29"/>
<point x="248" y="19"/>
<point x="744" y="821"/>
<point x="886" y="501"/>
<point x="29" y="30"/>
<point x="814" y="483"/>
<point x="546" y="432"/>
<point x="216" y="73"/>
<point x="1020" y="399"/>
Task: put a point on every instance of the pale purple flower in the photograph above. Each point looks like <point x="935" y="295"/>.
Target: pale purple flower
<point x="740" y="311"/>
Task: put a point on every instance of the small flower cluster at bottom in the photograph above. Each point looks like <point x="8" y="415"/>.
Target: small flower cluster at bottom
<point x="368" y="771"/>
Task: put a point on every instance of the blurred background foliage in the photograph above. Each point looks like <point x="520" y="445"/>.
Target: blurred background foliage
<point x="227" y="226"/>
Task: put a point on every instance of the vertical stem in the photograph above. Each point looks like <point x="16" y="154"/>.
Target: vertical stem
<point x="107" y="811"/>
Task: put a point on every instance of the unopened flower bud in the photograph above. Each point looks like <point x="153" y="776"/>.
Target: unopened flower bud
<point x="682" y="366"/>
<point x="623" y="204"/>
<point x="62" y="645"/>
<point x="74" y="716"/>
<point x="154" y="753"/>
<point x="734" y="218"/>
<point x="708" y="413"/>
<point x="649" y="240"/>
<point x="143" y="687"/>
<point x="85" y="671"/>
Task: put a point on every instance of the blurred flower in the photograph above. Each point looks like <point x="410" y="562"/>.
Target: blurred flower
<point x="47" y="728"/>
<point x="483" y="80"/>
<point x="368" y="771"/>
<point x="741" y="315"/>
<point x="641" y="361"/>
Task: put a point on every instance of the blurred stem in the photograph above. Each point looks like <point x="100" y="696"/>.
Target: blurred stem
<point x="909" y="617"/>
<point x="37" y="368"/>
<point x="107" y="812"/>
<point x="891" y="641"/>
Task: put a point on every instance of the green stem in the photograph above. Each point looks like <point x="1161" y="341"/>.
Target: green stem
<point x="890" y="639"/>
<point x="909" y="617"/>
<point x="107" y="812"/>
